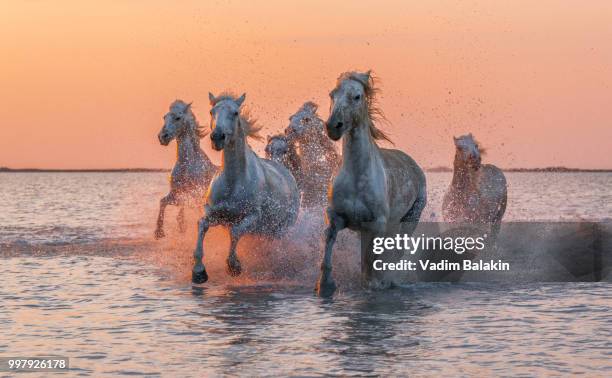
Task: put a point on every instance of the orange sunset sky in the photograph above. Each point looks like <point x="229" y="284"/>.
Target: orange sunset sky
<point x="85" y="84"/>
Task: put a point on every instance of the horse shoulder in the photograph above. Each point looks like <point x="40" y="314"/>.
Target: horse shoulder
<point x="218" y="189"/>
<point x="492" y="180"/>
<point x="276" y="174"/>
<point x="403" y="169"/>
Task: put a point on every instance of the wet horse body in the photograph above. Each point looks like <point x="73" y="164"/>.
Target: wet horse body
<point x="281" y="151"/>
<point x="478" y="192"/>
<point x="192" y="171"/>
<point x="250" y="195"/>
<point x="376" y="190"/>
<point x="308" y="153"/>
<point x="315" y="153"/>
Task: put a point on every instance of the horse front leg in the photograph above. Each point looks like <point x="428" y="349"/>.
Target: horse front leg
<point x="180" y="219"/>
<point x="245" y="226"/>
<point x="369" y="277"/>
<point x="198" y="274"/>
<point x="165" y="201"/>
<point x="326" y="286"/>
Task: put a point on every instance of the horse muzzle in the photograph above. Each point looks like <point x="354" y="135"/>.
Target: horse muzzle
<point x="164" y="139"/>
<point x="217" y="141"/>
<point x="334" y="129"/>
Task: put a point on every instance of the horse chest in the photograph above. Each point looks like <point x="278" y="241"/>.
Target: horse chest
<point x="357" y="202"/>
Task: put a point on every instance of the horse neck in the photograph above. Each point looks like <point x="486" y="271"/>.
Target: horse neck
<point x="316" y="138"/>
<point x="359" y="149"/>
<point x="235" y="158"/>
<point x="464" y="176"/>
<point x="293" y="158"/>
<point x="188" y="147"/>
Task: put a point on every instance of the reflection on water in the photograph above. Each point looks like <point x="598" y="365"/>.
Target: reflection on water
<point x="115" y="316"/>
<point x="82" y="277"/>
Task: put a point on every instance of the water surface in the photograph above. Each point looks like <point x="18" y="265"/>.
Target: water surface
<point x="82" y="277"/>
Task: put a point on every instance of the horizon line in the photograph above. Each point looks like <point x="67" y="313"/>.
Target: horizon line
<point x="154" y="170"/>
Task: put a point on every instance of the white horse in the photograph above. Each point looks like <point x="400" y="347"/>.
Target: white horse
<point x="478" y="193"/>
<point x="192" y="171"/>
<point x="250" y="195"/>
<point x="376" y="190"/>
<point x="315" y="152"/>
<point x="280" y="150"/>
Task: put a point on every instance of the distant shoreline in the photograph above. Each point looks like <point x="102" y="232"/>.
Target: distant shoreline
<point x="102" y="170"/>
<point x="157" y="170"/>
<point x="545" y="169"/>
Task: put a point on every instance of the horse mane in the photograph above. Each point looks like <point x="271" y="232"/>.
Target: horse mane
<point x="481" y="149"/>
<point x="278" y="136"/>
<point x="185" y="108"/>
<point x="370" y="86"/>
<point x="309" y="109"/>
<point x="200" y="130"/>
<point x="247" y="122"/>
<point x="309" y="106"/>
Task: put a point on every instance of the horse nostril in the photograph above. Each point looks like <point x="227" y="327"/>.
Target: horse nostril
<point x="339" y="125"/>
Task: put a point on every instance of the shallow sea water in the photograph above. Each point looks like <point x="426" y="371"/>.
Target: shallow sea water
<point x="82" y="277"/>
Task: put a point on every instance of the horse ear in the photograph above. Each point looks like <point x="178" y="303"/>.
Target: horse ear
<point x="268" y="138"/>
<point x="364" y="78"/>
<point x="211" y="98"/>
<point x="240" y="100"/>
<point x="188" y="106"/>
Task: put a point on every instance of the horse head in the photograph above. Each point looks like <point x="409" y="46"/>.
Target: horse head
<point x="177" y="122"/>
<point x="353" y="104"/>
<point x="305" y="122"/>
<point x="468" y="151"/>
<point x="225" y="121"/>
<point x="277" y="148"/>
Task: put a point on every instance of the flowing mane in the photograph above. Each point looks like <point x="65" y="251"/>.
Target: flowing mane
<point x="280" y="137"/>
<point x="470" y="138"/>
<point x="181" y="107"/>
<point x="371" y="91"/>
<point x="308" y="107"/>
<point x="247" y="122"/>
<point x="481" y="148"/>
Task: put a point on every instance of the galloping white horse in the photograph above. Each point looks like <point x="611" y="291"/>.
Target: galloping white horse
<point x="193" y="169"/>
<point x="315" y="152"/>
<point x="376" y="189"/>
<point x="478" y="193"/>
<point x="250" y="195"/>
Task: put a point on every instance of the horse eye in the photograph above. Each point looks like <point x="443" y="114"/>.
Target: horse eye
<point x="177" y="118"/>
<point x="306" y="120"/>
<point x="235" y="113"/>
<point x="357" y="98"/>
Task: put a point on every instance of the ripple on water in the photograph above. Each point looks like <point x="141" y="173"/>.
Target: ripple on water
<point x="85" y="280"/>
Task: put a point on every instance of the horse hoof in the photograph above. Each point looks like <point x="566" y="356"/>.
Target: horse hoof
<point x="199" y="277"/>
<point x="159" y="233"/>
<point x="325" y="289"/>
<point x="234" y="269"/>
